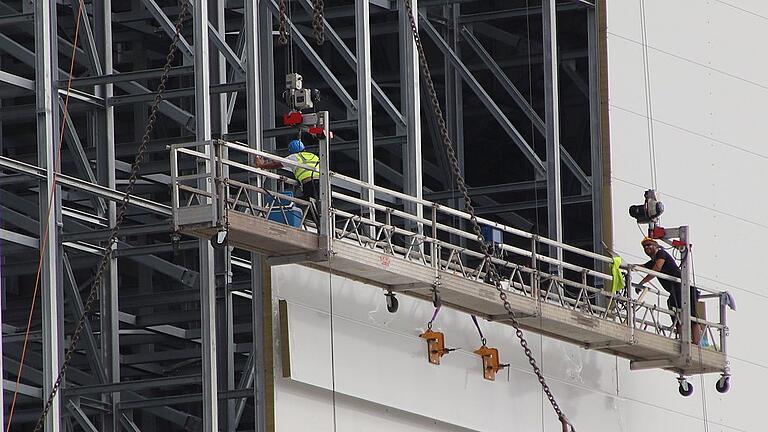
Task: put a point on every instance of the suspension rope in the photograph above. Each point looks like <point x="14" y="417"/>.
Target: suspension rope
<point x="448" y="147"/>
<point x="51" y="193"/>
<point x="120" y="215"/>
<point x="479" y="331"/>
<point x="648" y="97"/>
<point x="434" y="316"/>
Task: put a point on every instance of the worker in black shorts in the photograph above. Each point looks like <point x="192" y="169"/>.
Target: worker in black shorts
<point x="663" y="262"/>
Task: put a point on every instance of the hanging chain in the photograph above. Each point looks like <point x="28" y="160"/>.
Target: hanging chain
<point x="120" y="216"/>
<point x="282" y="39"/>
<point x="318" y="26"/>
<point x="448" y="145"/>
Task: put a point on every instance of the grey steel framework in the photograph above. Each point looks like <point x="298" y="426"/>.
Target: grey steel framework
<point x="177" y="340"/>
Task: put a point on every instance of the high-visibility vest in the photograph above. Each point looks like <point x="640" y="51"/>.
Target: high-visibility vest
<point x="304" y="175"/>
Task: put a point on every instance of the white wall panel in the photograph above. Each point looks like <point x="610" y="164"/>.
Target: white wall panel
<point x="709" y="98"/>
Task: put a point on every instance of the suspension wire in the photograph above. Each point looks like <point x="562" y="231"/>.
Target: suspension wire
<point x="52" y="193"/>
<point x="702" y="334"/>
<point x="120" y="215"/>
<point x="648" y="96"/>
<point x="448" y="147"/>
<point x="535" y="189"/>
<point x="333" y="345"/>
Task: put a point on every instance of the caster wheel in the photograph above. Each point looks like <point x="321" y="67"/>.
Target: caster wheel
<point x="219" y="239"/>
<point x="723" y="384"/>
<point x="392" y="303"/>
<point x="685" y="388"/>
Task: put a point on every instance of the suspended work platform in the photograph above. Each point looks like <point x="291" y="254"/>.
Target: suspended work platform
<point x="413" y="247"/>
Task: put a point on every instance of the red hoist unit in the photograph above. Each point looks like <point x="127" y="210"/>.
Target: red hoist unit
<point x="299" y="99"/>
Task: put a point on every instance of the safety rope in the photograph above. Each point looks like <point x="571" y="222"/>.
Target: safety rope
<point x="448" y="146"/>
<point x="120" y="217"/>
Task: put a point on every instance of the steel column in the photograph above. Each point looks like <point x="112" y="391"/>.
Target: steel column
<point x="46" y="54"/>
<point x="410" y="106"/>
<point x="552" y="122"/>
<point x="364" y="100"/>
<point x="253" y="67"/>
<point x="596" y="149"/>
<point x="207" y="282"/>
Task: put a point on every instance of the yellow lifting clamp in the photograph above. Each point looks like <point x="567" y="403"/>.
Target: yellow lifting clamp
<point x="435" y="345"/>
<point x="491" y="365"/>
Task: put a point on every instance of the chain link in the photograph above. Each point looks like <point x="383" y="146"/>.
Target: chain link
<point x="448" y="145"/>
<point x="120" y="217"/>
<point x="318" y="26"/>
<point x="282" y="39"/>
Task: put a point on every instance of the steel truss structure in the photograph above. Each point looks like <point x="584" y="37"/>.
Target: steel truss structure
<point x="177" y="341"/>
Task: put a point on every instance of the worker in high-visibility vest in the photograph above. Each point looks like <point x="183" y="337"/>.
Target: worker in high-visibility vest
<point x="662" y="262"/>
<point x="309" y="179"/>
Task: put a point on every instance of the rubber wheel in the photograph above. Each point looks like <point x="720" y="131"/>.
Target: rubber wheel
<point x="723" y="384"/>
<point x="219" y="239"/>
<point x="685" y="388"/>
<point x="392" y="303"/>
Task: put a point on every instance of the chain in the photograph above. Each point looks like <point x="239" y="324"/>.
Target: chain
<point x="120" y="217"/>
<point x="283" y="38"/>
<point x="318" y="26"/>
<point x="448" y="145"/>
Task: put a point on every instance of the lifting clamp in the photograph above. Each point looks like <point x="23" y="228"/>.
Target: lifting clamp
<point x="435" y="345"/>
<point x="491" y="365"/>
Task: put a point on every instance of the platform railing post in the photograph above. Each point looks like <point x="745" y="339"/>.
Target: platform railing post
<point x="219" y="183"/>
<point x="630" y="305"/>
<point x="175" y="187"/>
<point x="535" y="267"/>
<point x="325" y="228"/>
<point x="723" y="324"/>
<point x="684" y="303"/>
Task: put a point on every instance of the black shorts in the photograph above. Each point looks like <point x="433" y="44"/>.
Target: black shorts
<point x="673" y="303"/>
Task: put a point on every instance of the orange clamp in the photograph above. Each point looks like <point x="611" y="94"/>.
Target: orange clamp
<point x="435" y="346"/>
<point x="491" y="365"/>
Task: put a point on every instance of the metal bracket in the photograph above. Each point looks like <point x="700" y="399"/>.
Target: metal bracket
<point x="491" y="365"/>
<point x="435" y="346"/>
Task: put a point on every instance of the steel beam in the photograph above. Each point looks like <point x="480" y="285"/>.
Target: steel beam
<point x="364" y="100"/>
<point x="485" y="98"/>
<point x="513" y="92"/>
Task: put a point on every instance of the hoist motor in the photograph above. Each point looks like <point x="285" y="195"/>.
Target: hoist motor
<point x="649" y="211"/>
<point x="296" y="96"/>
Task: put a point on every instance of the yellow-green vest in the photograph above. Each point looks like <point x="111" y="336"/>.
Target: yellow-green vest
<point x="303" y="175"/>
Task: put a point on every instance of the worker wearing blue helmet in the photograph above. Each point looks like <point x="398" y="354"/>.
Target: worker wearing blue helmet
<point x="308" y="178"/>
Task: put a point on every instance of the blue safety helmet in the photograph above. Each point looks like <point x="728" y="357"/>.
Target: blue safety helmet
<point x="295" y="146"/>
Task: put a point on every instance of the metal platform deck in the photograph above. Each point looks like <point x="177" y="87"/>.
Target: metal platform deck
<point x="395" y="247"/>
